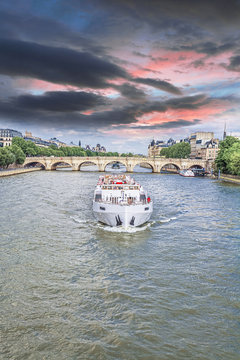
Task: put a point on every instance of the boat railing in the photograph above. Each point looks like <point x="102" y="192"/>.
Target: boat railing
<point x="123" y="202"/>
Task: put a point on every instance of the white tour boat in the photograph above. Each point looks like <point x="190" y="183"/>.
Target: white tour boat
<point x="120" y="201"/>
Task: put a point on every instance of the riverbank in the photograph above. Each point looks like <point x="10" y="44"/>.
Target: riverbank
<point x="230" y="178"/>
<point x="11" y="172"/>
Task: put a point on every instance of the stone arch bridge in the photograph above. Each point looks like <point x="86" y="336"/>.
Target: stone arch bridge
<point x="156" y="164"/>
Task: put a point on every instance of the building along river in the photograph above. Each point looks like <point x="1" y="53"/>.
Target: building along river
<point x="74" y="289"/>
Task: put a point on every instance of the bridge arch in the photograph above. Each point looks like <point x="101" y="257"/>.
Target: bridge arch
<point x="196" y="166"/>
<point x="86" y="164"/>
<point x="108" y="165"/>
<point x="61" y="163"/>
<point x="32" y="164"/>
<point x="144" y="166"/>
<point x="170" y="167"/>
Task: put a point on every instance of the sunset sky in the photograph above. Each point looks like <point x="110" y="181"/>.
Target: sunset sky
<point x="120" y="72"/>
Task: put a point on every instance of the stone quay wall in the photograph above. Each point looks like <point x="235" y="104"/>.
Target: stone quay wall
<point x="18" y="171"/>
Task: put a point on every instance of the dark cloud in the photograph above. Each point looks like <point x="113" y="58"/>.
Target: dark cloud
<point x="157" y="72"/>
<point x="57" y="65"/>
<point x="209" y="48"/>
<point x="188" y="102"/>
<point x="44" y="113"/>
<point x="73" y="120"/>
<point x="212" y="13"/>
<point x="198" y="63"/>
<point x="234" y="64"/>
<point x="69" y="67"/>
<point x="137" y="53"/>
<point x="169" y="124"/>
<point x="159" y="84"/>
<point x="130" y="91"/>
<point x="208" y="27"/>
<point x="159" y="59"/>
<point x="59" y="101"/>
<point x="49" y="31"/>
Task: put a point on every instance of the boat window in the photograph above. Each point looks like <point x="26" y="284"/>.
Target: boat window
<point x="109" y="188"/>
<point x="146" y="208"/>
<point x="130" y="187"/>
<point x="98" y="197"/>
<point x="142" y="197"/>
<point x="102" y="208"/>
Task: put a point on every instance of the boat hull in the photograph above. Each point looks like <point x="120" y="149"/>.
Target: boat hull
<point x="186" y="175"/>
<point x="122" y="215"/>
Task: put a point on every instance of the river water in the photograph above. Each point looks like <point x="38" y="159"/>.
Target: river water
<point x="74" y="289"/>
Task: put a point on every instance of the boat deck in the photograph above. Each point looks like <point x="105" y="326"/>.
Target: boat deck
<point x="116" y="180"/>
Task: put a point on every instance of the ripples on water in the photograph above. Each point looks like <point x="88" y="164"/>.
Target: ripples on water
<point x="75" y="289"/>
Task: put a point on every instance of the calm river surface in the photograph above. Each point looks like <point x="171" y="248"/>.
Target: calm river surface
<point x="71" y="288"/>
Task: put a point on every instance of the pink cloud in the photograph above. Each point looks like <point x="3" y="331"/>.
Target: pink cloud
<point x="207" y="113"/>
<point x="88" y="112"/>
<point x="40" y="85"/>
<point x="181" y="67"/>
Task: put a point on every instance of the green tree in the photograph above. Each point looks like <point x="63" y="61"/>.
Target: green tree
<point x="6" y="157"/>
<point x="89" y="153"/>
<point x="44" y="151"/>
<point x="223" y="158"/>
<point x="126" y="155"/>
<point x="31" y="149"/>
<point x="20" y="142"/>
<point x="28" y="147"/>
<point x="231" y="159"/>
<point x="177" y="151"/>
<point x="234" y="159"/>
<point x="53" y="147"/>
<point x="165" y="152"/>
<point x="19" y="154"/>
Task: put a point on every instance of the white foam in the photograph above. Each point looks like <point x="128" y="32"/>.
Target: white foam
<point x="77" y="220"/>
<point x="120" y="229"/>
<point x="167" y="220"/>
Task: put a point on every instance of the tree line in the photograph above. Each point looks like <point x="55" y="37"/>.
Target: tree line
<point x="20" y="148"/>
<point x="177" y="151"/>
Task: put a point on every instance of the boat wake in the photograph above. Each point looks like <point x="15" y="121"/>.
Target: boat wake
<point x="121" y="229"/>
<point x="78" y="220"/>
<point x="166" y="220"/>
<point x="114" y="229"/>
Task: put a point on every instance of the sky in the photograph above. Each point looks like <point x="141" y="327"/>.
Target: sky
<point x="120" y="72"/>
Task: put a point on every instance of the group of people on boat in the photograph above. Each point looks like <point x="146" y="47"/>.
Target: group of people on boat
<point x="116" y="179"/>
